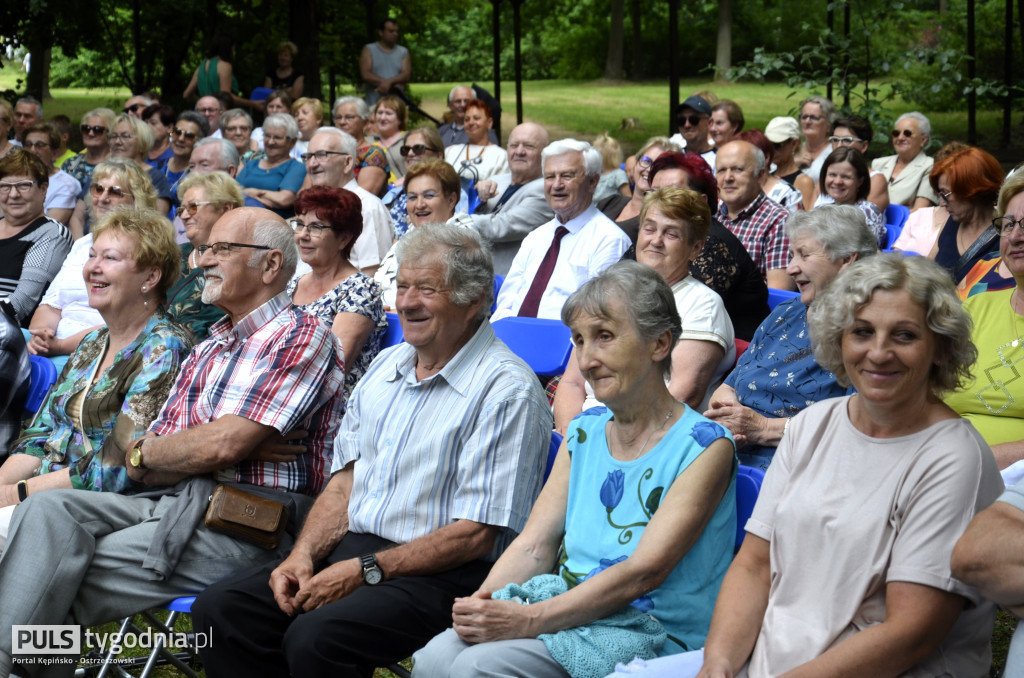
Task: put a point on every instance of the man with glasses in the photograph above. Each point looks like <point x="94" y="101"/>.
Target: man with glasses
<point x="268" y="370"/>
<point x="580" y="242"/>
<point x="453" y="132"/>
<point x="856" y="132"/>
<point x="136" y="104"/>
<point x="330" y="161"/>
<point x="692" y="118"/>
<point x="211" y="109"/>
<point x="27" y="112"/>
<point x="514" y="203"/>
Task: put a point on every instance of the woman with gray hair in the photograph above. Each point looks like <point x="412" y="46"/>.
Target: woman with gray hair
<point x="884" y="482"/>
<point x="816" y="117"/>
<point x="132" y="139"/>
<point x="350" y="115"/>
<point x="236" y="126"/>
<point x="777" y="376"/>
<point x="276" y="179"/>
<point x="640" y="504"/>
<point x="908" y="171"/>
<point x="189" y="128"/>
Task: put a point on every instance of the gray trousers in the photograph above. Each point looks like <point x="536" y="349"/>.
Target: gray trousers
<point x="448" y="656"/>
<point x="74" y="557"/>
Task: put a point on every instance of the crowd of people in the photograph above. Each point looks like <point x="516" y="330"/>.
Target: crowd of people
<point x="229" y="423"/>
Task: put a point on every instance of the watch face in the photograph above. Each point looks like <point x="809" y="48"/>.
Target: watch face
<point x="372" y="576"/>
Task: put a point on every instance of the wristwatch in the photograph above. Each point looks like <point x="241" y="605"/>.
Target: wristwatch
<point x="372" y="574"/>
<point x="135" y="456"/>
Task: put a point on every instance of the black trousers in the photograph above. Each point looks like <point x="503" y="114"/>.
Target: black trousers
<point x="373" y="626"/>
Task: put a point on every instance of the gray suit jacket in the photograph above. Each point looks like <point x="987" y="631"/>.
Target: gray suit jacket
<point x="507" y="225"/>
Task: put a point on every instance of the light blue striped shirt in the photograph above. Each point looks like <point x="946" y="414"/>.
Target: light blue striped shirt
<point x="469" y="442"/>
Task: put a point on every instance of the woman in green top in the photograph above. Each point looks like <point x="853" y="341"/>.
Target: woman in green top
<point x="215" y="75"/>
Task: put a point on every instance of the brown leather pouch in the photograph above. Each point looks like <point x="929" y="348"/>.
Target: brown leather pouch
<point x="246" y="517"/>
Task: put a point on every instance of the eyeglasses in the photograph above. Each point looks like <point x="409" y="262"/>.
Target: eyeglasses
<point x="416" y="149"/>
<point x="645" y="161"/>
<point x="944" y="196"/>
<point x="346" y="117"/>
<point x="19" y="187"/>
<point x="121" y="137"/>
<point x="93" y="129"/>
<point x="237" y="129"/>
<point x="193" y="206"/>
<point x="694" y="120"/>
<point x="907" y="133"/>
<point x="315" y="229"/>
<point x="178" y="132"/>
<point x="114" y="191"/>
<point x="1004" y="225"/>
<point x="35" y="144"/>
<point x="222" y="249"/>
<point x="319" y="155"/>
<point x="807" y="117"/>
<point x="208" y="111"/>
<point x="845" y="141"/>
<point x="133" y="108"/>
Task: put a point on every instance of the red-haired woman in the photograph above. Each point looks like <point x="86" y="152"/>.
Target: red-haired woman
<point x="478" y="158"/>
<point x="967" y="183"/>
<point x="327" y="222"/>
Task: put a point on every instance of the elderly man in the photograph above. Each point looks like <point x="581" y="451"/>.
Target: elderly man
<point x="350" y="116"/>
<point x="211" y="108"/>
<point x="267" y="369"/>
<point x="453" y="132"/>
<point x="330" y="161"/>
<point x="692" y="118"/>
<point x="136" y="104"/>
<point x="749" y="214"/>
<point x="414" y="517"/>
<point x="209" y="155"/>
<point x="580" y="242"/>
<point x="384" y="64"/>
<point x="27" y="112"/>
<point x="514" y="203"/>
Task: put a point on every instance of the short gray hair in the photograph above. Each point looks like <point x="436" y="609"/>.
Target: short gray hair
<point x="922" y="122"/>
<point x="841" y="230"/>
<point x="466" y="256"/>
<point x="282" y="121"/>
<point x="362" y="110"/>
<point x="591" y="156"/>
<point x="29" y="99"/>
<point x="644" y="295"/>
<point x="661" y="142"/>
<point x="828" y="109"/>
<point x="928" y="284"/>
<point x="277" y="235"/>
<point x="228" y="152"/>
<point x="196" y="119"/>
<point x="349" y="144"/>
<point x="233" y="113"/>
<point x="759" y="160"/>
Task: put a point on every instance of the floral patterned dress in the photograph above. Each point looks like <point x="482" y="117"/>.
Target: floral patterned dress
<point x="116" y="409"/>
<point x="610" y="503"/>
<point x="185" y="300"/>
<point x="360" y="294"/>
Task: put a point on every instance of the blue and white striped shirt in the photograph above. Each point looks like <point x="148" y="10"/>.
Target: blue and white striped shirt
<point x="469" y="442"/>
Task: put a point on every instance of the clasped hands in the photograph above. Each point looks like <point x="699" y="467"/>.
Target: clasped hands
<point x="480" y="619"/>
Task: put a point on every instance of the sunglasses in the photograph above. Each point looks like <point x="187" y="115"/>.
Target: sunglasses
<point x="133" y="108"/>
<point x="178" y="132"/>
<point x="907" y="133"/>
<point x="93" y="129"/>
<point x="416" y="149"/>
<point x="114" y="191"/>
<point x="694" y="120"/>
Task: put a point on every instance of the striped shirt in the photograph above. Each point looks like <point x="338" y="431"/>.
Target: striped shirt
<point x="29" y="260"/>
<point x="467" y="443"/>
<point x="277" y="367"/>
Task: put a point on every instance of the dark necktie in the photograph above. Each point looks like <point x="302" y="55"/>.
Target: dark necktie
<point x="509" y="192"/>
<point x="540" y="281"/>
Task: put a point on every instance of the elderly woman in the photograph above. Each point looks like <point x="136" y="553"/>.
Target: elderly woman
<point x="350" y="115"/>
<point x="625" y="211"/>
<point x="285" y="76"/>
<point x="846" y="180"/>
<point x="132" y="139"/>
<point x="478" y="158"/>
<point x="160" y="118"/>
<point x="118" y="378"/>
<point x="990" y="399"/>
<point x="674" y="226"/>
<point x="205" y="198"/>
<point x="96" y="126"/>
<point x="63" y="189"/>
<point x="967" y="183"/>
<point x="32" y="246"/>
<point x="275" y="179"/>
<point x="236" y="126"/>
<point x="432" y="192"/>
<point x="816" y="117"/>
<point x="908" y="171"/>
<point x="279" y="101"/>
<point x="64" y="316"/>
<point x="309" y="116"/>
<point x="912" y="474"/>
<point x="726" y="121"/>
<point x="188" y="129"/>
<point x="622" y="563"/>
<point x="326" y="224"/>
<point x="391" y="117"/>
<point x="777" y="376"/>
<point x="421" y="144"/>
<point x="6" y="123"/>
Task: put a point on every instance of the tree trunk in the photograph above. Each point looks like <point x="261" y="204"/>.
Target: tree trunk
<point x="723" y="52"/>
<point x="37" y="82"/>
<point x="613" y="63"/>
<point x="304" y="29"/>
<point x="638" y="55"/>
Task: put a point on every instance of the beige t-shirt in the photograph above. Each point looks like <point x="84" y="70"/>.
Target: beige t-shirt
<point x="846" y="513"/>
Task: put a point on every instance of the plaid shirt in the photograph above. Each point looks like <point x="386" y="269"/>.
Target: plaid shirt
<point x="278" y="367"/>
<point x="760" y="227"/>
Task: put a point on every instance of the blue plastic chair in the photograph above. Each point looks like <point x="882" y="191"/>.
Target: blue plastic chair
<point x="499" y="280"/>
<point x="748" y="485"/>
<point x="895" y="218"/>
<point x="44" y="374"/>
<point x="776" y="296"/>
<point x="544" y="344"/>
<point x="261" y="94"/>
<point x="181" y="658"/>
<point x="393" y="335"/>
